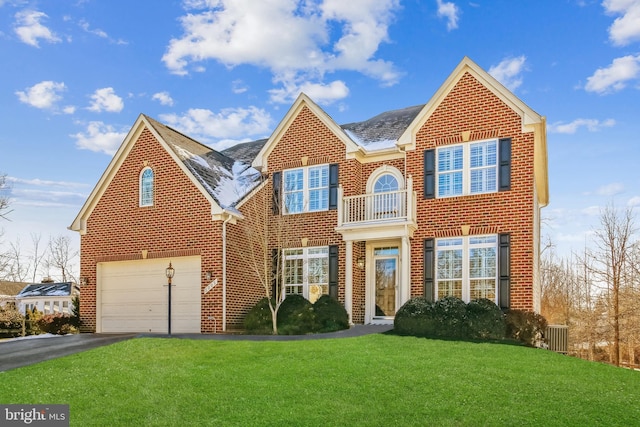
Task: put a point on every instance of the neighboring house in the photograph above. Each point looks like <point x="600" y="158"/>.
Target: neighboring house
<point x="8" y="292"/>
<point x="47" y="298"/>
<point x="437" y="199"/>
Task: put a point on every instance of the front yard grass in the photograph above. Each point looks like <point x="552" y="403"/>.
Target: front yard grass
<point x="374" y="380"/>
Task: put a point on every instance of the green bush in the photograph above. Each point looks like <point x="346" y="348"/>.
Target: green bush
<point x="296" y="316"/>
<point x="75" y="311"/>
<point x="258" y="319"/>
<point x="415" y="318"/>
<point x="451" y="316"/>
<point x="485" y="320"/>
<point x="58" y="324"/>
<point x="330" y="315"/>
<point x="525" y="326"/>
<point x="31" y="321"/>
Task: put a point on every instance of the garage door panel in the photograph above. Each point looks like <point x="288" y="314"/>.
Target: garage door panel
<point x="133" y="296"/>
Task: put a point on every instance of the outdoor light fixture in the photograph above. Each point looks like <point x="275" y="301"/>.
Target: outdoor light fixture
<point x="170" y="271"/>
<point x="208" y="275"/>
<point x="360" y="263"/>
<point x="84" y="280"/>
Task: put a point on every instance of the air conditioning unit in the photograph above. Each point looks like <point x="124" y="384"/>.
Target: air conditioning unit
<point x="557" y="337"/>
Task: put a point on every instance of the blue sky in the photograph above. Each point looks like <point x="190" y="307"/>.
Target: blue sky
<point x="77" y="73"/>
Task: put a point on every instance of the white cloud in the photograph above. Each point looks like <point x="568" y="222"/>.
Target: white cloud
<point x="228" y="124"/>
<point x="163" y="98"/>
<point x="634" y="201"/>
<point x="98" y="32"/>
<point x="100" y="137"/>
<point x="69" y="109"/>
<point x="449" y="11"/>
<point x="105" y="99"/>
<point x="625" y="28"/>
<point x="615" y="76"/>
<point x="592" y="125"/>
<point x="42" y="95"/>
<point x="591" y="211"/>
<point x="320" y="93"/>
<point x="238" y="86"/>
<point x="508" y="71"/>
<point x="610" y="189"/>
<point x="236" y="32"/>
<point x="29" y="28"/>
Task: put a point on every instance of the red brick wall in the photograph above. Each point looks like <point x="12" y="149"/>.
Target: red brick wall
<point x="472" y="107"/>
<point x="178" y="223"/>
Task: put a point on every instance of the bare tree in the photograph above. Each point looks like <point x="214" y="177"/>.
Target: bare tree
<point x="264" y="241"/>
<point x="610" y="264"/>
<point x="61" y="256"/>
<point x="37" y="254"/>
<point x="4" y="197"/>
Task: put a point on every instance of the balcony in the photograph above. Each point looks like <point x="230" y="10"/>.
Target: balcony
<point x="373" y="213"/>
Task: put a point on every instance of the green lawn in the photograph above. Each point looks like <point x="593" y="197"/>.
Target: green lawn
<point x="375" y="380"/>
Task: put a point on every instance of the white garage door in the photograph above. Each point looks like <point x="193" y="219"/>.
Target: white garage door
<point x="133" y="295"/>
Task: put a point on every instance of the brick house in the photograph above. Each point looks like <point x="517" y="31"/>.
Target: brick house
<point x="437" y="199"/>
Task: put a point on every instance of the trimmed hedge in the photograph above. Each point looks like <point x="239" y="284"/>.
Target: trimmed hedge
<point x="481" y="319"/>
<point x="297" y="316"/>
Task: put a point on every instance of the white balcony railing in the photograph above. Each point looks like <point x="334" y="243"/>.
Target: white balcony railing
<point x="377" y="207"/>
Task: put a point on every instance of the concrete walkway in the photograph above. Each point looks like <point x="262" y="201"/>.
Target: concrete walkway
<point x="16" y="353"/>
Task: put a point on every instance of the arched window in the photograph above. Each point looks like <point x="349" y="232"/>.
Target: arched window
<point x="384" y="183"/>
<point x="146" y="187"/>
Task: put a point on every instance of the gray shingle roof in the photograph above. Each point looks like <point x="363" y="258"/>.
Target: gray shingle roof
<point x="384" y="128"/>
<point x="224" y="177"/>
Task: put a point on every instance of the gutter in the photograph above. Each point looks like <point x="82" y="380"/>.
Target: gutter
<point x="224" y="271"/>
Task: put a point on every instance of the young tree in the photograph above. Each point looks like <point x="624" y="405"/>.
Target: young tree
<point x="4" y="197"/>
<point x="61" y="256"/>
<point x="610" y="264"/>
<point x="264" y="239"/>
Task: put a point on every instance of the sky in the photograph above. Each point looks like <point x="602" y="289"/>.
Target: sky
<point x="76" y="74"/>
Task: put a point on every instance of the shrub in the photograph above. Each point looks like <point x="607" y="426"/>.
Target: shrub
<point x="451" y="316"/>
<point x="296" y="316"/>
<point x="330" y="315"/>
<point x="11" y="321"/>
<point x="485" y="320"/>
<point x="415" y="318"/>
<point x="258" y="319"/>
<point x="75" y="311"/>
<point x="525" y="326"/>
<point x="58" y="324"/>
<point x="31" y="321"/>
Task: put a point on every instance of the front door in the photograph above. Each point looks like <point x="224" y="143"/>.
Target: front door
<point x="386" y="282"/>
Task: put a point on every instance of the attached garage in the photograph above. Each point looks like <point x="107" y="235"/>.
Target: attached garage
<point x="132" y="296"/>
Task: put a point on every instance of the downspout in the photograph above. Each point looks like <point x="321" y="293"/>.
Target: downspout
<point x="224" y="272"/>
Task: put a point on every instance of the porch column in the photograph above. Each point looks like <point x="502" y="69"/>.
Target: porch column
<point x="348" y="279"/>
<point x="405" y="294"/>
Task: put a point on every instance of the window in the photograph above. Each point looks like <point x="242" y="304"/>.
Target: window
<point x="467" y="169"/>
<point x="146" y="187"/>
<point x="306" y="189"/>
<point x="306" y="272"/>
<point x="466" y="267"/>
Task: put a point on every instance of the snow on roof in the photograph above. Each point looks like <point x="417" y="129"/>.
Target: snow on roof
<point x="46" y="290"/>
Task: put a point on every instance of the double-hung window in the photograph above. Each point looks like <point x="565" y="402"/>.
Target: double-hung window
<point x="466" y="267"/>
<point x="465" y="169"/>
<point x="306" y="189"/>
<point x="306" y="272"/>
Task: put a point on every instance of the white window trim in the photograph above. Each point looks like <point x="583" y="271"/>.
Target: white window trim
<point x="466" y="279"/>
<point x="305" y="189"/>
<point x="305" y="257"/>
<point x="141" y="190"/>
<point x="466" y="168"/>
<point x="384" y="170"/>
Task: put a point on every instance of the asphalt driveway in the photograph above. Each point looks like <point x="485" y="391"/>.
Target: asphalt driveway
<point x="22" y="352"/>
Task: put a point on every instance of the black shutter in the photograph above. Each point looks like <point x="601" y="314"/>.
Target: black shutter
<point x="429" y="174"/>
<point x="428" y="273"/>
<point x="276" y="272"/>
<point x="276" y="201"/>
<point x="333" y="271"/>
<point x="504" y="169"/>
<point x="504" y="277"/>
<point x="333" y="186"/>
